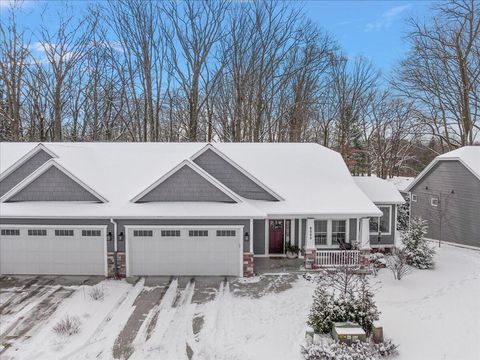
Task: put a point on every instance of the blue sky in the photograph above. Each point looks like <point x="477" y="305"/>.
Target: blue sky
<point x="374" y="29"/>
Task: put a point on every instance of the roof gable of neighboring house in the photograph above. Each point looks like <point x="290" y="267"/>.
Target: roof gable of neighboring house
<point x="185" y="183"/>
<point x="232" y="175"/>
<point x="51" y="182"/>
<point x="23" y="168"/>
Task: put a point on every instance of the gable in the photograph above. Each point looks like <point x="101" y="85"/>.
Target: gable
<point x="53" y="185"/>
<point x="231" y="177"/>
<point x="21" y="172"/>
<point x="184" y="185"/>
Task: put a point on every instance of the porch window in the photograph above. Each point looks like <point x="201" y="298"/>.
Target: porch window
<point x="381" y="224"/>
<point x="339" y="231"/>
<point x="321" y="232"/>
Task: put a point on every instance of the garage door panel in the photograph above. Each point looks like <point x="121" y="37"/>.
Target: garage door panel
<point x="183" y="255"/>
<point x="53" y="255"/>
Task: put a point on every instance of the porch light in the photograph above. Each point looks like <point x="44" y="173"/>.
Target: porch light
<point x="246" y="237"/>
<point x="109" y="236"/>
<point x="120" y="236"/>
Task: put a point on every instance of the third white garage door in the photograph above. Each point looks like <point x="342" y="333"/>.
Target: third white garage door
<point x="184" y="251"/>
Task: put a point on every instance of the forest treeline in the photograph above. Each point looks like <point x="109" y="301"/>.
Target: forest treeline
<point x="261" y="71"/>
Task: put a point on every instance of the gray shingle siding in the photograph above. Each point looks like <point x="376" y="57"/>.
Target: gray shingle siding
<point x="386" y="239"/>
<point x="23" y="171"/>
<point x="53" y="185"/>
<point x="231" y="177"/>
<point x="186" y="185"/>
<point x="259" y="237"/>
<point x="456" y="219"/>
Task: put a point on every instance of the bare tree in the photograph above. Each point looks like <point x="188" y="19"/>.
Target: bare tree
<point x="397" y="264"/>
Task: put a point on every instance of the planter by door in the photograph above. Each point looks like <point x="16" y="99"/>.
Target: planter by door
<point x="276" y="237"/>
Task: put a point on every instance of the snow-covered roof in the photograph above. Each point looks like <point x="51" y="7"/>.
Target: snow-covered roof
<point x="401" y="182"/>
<point x="379" y="190"/>
<point x="469" y="156"/>
<point x="311" y="179"/>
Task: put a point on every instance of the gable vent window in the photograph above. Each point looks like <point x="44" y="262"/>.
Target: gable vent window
<point x="197" y="233"/>
<point x="414" y="198"/>
<point x="171" y="233"/>
<point x="226" y="233"/>
<point x="91" y="233"/>
<point x="434" y="202"/>
<point x="10" y="232"/>
<point x="144" y="233"/>
<point x="63" y="232"/>
<point x="37" y="232"/>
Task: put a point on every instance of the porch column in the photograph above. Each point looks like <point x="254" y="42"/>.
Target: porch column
<point x="365" y="243"/>
<point x="310" y="250"/>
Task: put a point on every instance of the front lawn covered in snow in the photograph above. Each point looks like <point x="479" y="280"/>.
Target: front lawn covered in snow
<point x="429" y="314"/>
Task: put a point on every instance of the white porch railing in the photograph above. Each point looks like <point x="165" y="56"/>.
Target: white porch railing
<point x="332" y="258"/>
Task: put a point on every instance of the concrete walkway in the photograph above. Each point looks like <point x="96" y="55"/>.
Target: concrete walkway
<point x="277" y="265"/>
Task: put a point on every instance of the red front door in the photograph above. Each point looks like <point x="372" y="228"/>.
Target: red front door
<point x="275" y="237"/>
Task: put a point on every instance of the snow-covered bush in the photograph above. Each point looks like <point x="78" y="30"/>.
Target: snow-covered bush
<point x="397" y="264"/>
<point x="356" y="351"/>
<point x="97" y="293"/>
<point x="67" y="326"/>
<point x="418" y="252"/>
<point x="355" y="304"/>
<point x="403" y="215"/>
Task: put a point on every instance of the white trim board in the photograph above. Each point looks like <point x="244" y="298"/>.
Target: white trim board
<point x="238" y="167"/>
<point x="25" y="158"/>
<point x="199" y="171"/>
<point x="41" y="170"/>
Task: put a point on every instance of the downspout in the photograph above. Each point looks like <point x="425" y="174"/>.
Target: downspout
<point x="115" y="248"/>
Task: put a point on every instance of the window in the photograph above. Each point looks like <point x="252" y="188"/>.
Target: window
<point x="198" y="233"/>
<point x="339" y="231"/>
<point x="171" y="233"/>
<point x="10" y="232"/>
<point x="381" y="224"/>
<point x="144" y="233"/>
<point x="321" y="232"/>
<point x="414" y="198"/>
<point x="37" y="232"/>
<point x="434" y="202"/>
<point x="226" y="233"/>
<point x="91" y="233"/>
<point x="63" y="232"/>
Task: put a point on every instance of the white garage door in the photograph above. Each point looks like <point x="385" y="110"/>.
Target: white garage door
<point x="184" y="251"/>
<point x="52" y="250"/>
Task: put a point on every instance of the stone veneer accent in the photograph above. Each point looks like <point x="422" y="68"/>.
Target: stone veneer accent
<point x="121" y="265"/>
<point x="248" y="270"/>
<point x="364" y="259"/>
<point x="310" y="259"/>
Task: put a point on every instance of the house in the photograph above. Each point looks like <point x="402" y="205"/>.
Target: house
<point x="174" y="208"/>
<point x="447" y="195"/>
<point x="384" y="194"/>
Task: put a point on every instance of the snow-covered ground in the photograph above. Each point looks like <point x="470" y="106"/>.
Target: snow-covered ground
<point x="432" y="314"/>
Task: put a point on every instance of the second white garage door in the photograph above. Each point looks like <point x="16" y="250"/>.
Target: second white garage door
<point x="184" y="251"/>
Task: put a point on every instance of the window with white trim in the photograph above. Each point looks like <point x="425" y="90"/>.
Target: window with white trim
<point x="434" y="201"/>
<point x="170" y="233"/>
<point x="10" y="232"/>
<point x="321" y="232"/>
<point x="226" y="233"/>
<point x="414" y="198"/>
<point x="63" y="232"/>
<point x="91" y="233"/>
<point x="143" y="233"/>
<point x="200" y="233"/>
<point x="37" y="232"/>
<point x="339" y="231"/>
<point x="381" y="224"/>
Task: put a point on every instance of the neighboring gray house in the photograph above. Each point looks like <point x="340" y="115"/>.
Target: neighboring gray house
<point x="175" y="208"/>
<point x="384" y="194"/>
<point x="447" y="195"/>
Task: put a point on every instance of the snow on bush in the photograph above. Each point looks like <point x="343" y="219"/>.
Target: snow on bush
<point x="343" y="296"/>
<point x="356" y="351"/>
<point x="97" y="293"/>
<point x="418" y="252"/>
<point x="397" y="264"/>
<point x="67" y="326"/>
<point x="403" y="215"/>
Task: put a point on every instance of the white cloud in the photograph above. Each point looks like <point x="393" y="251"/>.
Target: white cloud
<point x="387" y="18"/>
<point x="7" y="4"/>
